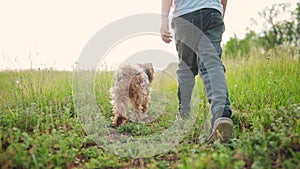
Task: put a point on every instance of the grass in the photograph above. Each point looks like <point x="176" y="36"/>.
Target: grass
<point x="39" y="128"/>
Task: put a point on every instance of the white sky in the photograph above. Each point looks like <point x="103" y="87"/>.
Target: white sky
<point x="53" y="33"/>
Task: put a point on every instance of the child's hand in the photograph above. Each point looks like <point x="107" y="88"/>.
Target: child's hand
<point x="165" y="33"/>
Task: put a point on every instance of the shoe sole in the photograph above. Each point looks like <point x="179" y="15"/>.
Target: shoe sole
<point x="222" y="130"/>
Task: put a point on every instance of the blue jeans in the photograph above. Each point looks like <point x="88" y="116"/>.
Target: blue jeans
<point x="198" y="36"/>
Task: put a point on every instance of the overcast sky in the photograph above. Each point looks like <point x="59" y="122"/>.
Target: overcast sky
<point x="53" y="33"/>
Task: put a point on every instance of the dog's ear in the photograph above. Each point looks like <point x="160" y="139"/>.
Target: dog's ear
<point x="149" y="71"/>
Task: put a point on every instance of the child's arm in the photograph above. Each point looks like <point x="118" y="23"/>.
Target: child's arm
<point x="224" y="3"/>
<point x="164" y="31"/>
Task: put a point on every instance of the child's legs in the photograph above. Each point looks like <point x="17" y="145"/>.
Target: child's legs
<point x="211" y="68"/>
<point x="187" y="69"/>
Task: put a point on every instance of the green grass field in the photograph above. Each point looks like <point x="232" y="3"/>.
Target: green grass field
<point x="39" y="128"/>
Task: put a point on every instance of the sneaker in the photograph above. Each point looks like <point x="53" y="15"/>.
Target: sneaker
<point x="222" y="130"/>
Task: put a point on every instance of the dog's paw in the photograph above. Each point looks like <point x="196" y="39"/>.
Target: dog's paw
<point x="119" y="121"/>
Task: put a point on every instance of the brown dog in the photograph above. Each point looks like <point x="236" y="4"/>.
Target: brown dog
<point x="131" y="85"/>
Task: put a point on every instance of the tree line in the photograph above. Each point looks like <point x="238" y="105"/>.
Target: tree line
<point x="276" y="33"/>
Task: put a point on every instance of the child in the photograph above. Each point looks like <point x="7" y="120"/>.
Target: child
<point x="198" y="26"/>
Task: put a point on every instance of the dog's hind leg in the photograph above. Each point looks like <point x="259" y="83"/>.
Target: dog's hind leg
<point x="145" y="101"/>
<point x="119" y="109"/>
<point x="138" y="96"/>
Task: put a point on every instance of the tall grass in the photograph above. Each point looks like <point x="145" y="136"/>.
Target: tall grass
<point x="39" y="128"/>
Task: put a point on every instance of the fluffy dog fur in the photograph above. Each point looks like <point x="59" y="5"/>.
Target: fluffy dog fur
<point x="131" y="87"/>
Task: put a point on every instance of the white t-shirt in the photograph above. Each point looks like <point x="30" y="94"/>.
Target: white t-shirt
<point x="182" y="7"/>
